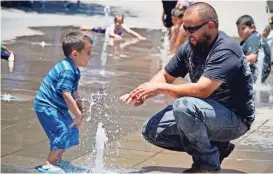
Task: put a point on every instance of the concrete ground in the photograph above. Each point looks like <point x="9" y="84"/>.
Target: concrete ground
<point x="130" y="153"/>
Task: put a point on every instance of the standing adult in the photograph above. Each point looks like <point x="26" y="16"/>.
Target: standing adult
<point x="166" y="14"/>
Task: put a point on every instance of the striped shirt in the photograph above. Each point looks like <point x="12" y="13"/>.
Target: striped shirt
<point x="64" y="76"/>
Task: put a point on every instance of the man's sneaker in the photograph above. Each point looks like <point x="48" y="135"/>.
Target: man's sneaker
<point x="226" y="152"/>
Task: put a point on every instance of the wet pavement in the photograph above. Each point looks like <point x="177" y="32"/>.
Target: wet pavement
<point x="24" y="145"/>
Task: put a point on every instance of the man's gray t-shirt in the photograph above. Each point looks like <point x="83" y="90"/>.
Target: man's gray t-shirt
<point x="223" y="61"/>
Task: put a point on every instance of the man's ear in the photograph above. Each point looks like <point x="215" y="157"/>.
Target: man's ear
<point x="211" y="25"/>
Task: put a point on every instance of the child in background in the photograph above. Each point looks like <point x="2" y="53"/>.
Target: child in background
<point x="58" y="94"/>
<point x="6" y="53"/>
<point x="116" y="30"/>
<point x="253" y="46"/>
<point x="184" y="3"/>
<point x="177" y="31"/>
<point x="268" y="35"/>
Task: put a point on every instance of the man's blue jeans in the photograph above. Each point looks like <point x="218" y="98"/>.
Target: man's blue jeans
<point x="190" y="124"/>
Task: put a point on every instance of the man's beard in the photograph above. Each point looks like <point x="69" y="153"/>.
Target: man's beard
<point x="202" y="44"/>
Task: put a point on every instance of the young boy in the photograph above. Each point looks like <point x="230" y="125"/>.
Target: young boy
<point x="253" y="45"/>
<point x="116" y="30"/>
<point x="177" y="31"/>
<point x="58" y="94"/>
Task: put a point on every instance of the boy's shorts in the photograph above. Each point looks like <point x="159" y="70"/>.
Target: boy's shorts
<point x="56" y="126"/>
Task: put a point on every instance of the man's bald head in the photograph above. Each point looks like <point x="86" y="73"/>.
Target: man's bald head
<point x="205" y="12"/>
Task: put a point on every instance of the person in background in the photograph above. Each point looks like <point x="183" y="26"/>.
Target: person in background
<point x="177" y="31"/>
<point x="6" y="53"/>
<point x="268" y="35"/>
<point x="254" y="47"/>
<point x="184" y="3"/>
<point x="166" y="14"/>
<point x="115" y="30"/>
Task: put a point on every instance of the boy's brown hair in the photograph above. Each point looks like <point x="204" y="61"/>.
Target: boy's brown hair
<point x="75" y="40"/>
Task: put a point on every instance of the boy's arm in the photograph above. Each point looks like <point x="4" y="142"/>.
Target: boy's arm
<point x="252" y="58"/>
<point x="65" y="86"/>
<point x="78" y="100"/>
<point x="181" y="38"/>
<point x="134" y="33"/>
<point x="112" y="33"/>
<point x="172" y="40"/>
<point x="116" y="36"/>
<point x="251" y="48"/>
<point x="266" y="31"/>
<point x="72" y="105"/>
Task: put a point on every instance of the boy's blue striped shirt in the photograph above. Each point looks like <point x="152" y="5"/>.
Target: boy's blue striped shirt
<point x="64" y="76"/>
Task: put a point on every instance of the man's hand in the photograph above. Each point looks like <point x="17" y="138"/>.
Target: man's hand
<point x="128" y="99"/>
<point x="145" y="90"/>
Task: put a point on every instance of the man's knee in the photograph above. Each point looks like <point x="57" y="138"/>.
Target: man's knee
<point x="145" y="130"/>
<point x="150" y="127"/>
<point x="185" y="108"/>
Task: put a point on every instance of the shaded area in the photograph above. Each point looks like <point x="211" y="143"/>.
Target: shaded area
<point x="175" y="170"/>
<point x="64" y="7"/>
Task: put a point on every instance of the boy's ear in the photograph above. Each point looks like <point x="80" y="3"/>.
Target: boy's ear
<point x="253" y="27"/>
<point x="74" y="53"/>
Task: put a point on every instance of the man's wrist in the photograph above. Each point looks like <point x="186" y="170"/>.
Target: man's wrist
<point x="161" y="87"/>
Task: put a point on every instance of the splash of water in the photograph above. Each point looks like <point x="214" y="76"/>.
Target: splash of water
<point x="106" y="38"/>
<point x="259" y="86"/>
<point x="267" y="10"/>
<point x="164" y="50"/>
<point x="11" y="62"/>
<point x="43" y="44"/>
<point x="101" y="138"/>
<point x="92" y="100"/>
<point x="107" y="14"/>
<point x="260" y="62"/>
<point x="8" y="97"/>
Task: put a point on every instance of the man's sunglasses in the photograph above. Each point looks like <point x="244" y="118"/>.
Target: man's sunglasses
<point x="194" y="28"/>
